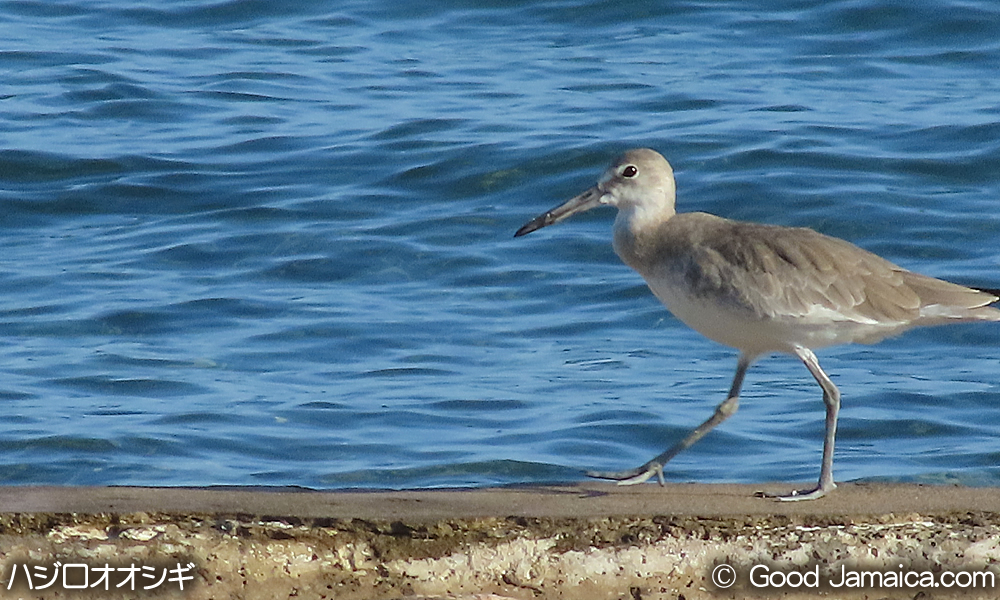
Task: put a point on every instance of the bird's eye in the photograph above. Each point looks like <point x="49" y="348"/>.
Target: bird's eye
<point x="629" y="172"/>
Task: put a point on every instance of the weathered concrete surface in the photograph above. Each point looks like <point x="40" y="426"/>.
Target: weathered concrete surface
<point x="587" y="541"/>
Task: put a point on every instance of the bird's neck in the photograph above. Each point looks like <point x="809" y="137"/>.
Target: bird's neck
<point x="635" y="231"/>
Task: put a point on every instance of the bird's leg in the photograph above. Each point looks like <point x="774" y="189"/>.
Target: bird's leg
<point x="655" y="466"/>
<point x="831" y="398"/>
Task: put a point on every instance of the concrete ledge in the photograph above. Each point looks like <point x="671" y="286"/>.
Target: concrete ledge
<point x="592" y="540"/>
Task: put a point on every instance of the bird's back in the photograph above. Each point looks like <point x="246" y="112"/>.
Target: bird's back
<point x="764" y="287"/>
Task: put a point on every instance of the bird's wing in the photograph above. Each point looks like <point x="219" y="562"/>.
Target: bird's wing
<point x="794" y="273"/>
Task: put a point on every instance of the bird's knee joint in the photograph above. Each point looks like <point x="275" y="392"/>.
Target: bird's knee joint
<point x="727" y="408"/>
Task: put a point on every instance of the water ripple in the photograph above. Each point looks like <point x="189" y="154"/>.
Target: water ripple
<point x="255" y="243"/>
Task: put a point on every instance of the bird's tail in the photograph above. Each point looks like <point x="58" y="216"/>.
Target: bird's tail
<point x="991" y="291"/>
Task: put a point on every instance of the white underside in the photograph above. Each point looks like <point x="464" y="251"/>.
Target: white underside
<point x="739" y="328"/>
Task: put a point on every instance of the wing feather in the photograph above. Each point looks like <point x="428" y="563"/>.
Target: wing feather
<point x="797" y="273"/>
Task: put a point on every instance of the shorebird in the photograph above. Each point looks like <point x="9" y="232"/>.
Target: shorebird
<point x="760" y="289"/>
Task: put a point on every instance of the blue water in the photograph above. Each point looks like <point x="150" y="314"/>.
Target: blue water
<point x="270" y="243"/>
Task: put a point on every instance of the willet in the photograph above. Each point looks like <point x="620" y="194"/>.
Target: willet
<point x="760" y="289"/>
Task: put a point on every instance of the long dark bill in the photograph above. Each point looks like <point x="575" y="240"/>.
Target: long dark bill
<point x="581" y="203"/>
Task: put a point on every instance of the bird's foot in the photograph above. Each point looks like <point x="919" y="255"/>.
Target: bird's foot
<point x="798" y="495"/>
<point x="632" y="476"/>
